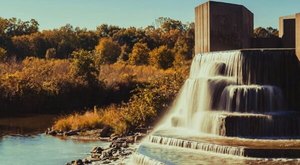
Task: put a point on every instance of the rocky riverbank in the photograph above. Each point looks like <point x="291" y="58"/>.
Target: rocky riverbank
<point x="118" y="152"/>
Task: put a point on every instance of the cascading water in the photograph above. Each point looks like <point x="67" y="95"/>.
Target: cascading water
<point x="236" y="82"/>
<point x="249" y="94"/>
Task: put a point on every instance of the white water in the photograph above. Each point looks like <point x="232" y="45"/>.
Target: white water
<point x="243" y="101"/>
<point x="235" y="82"/>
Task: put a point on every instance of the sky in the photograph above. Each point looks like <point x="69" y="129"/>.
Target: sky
<point x="125" y="13"/>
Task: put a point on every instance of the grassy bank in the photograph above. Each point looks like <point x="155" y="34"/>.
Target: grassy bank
<point x="143" y="108"/>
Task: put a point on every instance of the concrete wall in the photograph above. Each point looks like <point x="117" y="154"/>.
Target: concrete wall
<point x="287" y="31"/>
<point x="266" y="42"/>
<point x="298" y="35"/>
<point x="222" y="26"/>
<point x="202" y="26"/>
<point x="230" y="26"/>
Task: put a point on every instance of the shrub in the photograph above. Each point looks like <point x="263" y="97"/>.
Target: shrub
<point x="143" y="109"/>
<point x="152" y="100"/>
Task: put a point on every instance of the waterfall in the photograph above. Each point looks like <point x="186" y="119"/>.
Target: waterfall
<point x="240" y="103"/>
<point x="227" y="91"/>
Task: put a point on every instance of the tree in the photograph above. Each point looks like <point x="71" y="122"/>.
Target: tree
<point x="167" y="24"/>
<point x="162" y="57"/>
<point x="107" y="51"/>
<point x="125" y="51"/>
<point x="139" y="54"/>
<point x="105" y="30"/>
<point x="269" y="32"/>
<point x="3" y="55"/>
<point x="84" y="66"/>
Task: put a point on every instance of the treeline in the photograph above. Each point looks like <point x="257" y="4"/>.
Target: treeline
<point x="171" y="42"/>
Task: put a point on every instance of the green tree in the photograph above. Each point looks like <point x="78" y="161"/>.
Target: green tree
<point x="107" y="51"/>
<point x="139" y="54"/>
<point x="84" y="66"/>
<point x="162" y="57"/>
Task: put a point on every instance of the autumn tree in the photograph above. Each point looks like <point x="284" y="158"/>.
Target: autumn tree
<point x="107" y="51"/>
<point x="105" y="30"/>
<point x="125" y="51"/>
<point x="268" y="32"/>
<point x="139" y="54"/>
<point x="86" y="39"/>
<point x="162" y="57"/>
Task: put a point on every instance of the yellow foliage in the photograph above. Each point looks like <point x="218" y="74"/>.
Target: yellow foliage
<point x="88" y="120"/>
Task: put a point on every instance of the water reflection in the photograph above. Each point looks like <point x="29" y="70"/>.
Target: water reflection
<point x="21" y="142"/>
<point x="42" y="149"/>
<point x="25" y="125"/>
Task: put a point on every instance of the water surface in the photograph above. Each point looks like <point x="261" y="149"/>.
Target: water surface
<point x="22" y="142"/>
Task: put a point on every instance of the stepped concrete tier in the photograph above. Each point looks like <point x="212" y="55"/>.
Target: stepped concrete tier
<point x="281" y="125"/>
<point x="175" y="146"/>
<point x="226" y="145"/>
<point x="243" y="103"/>
<point x="260" y="82"/>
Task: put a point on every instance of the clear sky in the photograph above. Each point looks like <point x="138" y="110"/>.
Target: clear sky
<point x="139" y="13"/>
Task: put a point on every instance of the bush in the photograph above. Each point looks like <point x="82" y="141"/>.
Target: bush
<point x="162" y="57"/>
<point x="143" y="109"/>
<point x="152" y="100"/>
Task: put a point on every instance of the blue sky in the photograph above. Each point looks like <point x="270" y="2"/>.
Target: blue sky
<point x="139" y="13"/>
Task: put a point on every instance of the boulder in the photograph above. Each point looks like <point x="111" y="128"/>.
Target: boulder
<point x="138" y="137"/>
<point x="97" y="150"/>
<point x="106" y="132"/>
<point x="71" y="133"/>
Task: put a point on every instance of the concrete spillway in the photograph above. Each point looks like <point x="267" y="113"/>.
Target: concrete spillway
<point x="241" y="94"/>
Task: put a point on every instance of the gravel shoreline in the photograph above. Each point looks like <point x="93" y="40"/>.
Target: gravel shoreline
<point x="118" y="152"/>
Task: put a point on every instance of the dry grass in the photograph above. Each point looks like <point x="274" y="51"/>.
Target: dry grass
<point x="88" y="120"/>
<point x="120" y="72"/>
<point x="98" y="118"/>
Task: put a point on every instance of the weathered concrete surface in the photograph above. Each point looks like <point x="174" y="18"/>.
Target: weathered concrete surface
<point x="298" y="35"/>
<point x="222" y="26"/>
<point x="266" y="42"/>
<point x="287" y="31"/>
<point x="202" y="24"/>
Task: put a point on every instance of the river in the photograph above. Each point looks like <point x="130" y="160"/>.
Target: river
<point x="22" y="142"/>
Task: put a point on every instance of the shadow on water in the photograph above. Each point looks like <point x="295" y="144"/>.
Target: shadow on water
<point x="25" y="125"/>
